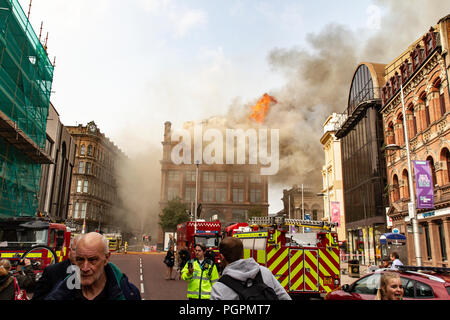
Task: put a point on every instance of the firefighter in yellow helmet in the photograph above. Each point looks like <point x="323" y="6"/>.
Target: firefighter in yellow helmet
<point x="201" y="273"/>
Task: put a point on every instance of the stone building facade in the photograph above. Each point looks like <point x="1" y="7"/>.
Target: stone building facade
<point x="422" y="70"/>
<point x="226" y="191"/>
<point x="54" y="191"/>
<point x="95" y="204"/>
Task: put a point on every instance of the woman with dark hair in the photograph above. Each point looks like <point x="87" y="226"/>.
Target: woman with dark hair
<point x="169" y="261"/>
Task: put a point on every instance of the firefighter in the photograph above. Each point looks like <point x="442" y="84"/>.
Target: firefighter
<point x="201" y="273"/>
<point x="126" y="246"/>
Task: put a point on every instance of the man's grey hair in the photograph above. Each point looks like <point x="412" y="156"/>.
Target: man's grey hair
<point x="102" y="237"/>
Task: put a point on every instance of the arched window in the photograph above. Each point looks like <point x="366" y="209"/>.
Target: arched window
<point x="390" y="135"/>
<point x="405" y="184"/>
<point x="400" y="135"/>
<point x="83" y="150"/>
<point x="439" y="87"/>
<point x="445" y="160"/>
<point x="412" y="121"/>
<point x="427" y="110"/>
<point x="396" y="187"/>
<point x="433" y="171"/>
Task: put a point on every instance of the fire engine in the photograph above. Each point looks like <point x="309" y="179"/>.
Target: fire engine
<point x="191" y="233"/>
<point x="41" y="240"/>
<point x="304" y="263"/>
<point x="114" y="241"/>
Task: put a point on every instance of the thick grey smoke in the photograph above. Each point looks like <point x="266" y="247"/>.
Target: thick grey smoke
<point x="139" y="181"/>
<point x="318" y="80"/>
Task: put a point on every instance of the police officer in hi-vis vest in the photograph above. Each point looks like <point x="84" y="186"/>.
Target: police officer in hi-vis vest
<point x="201" y="273"/>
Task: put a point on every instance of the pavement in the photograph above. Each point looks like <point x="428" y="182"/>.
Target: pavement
<point x="345" y="274"/>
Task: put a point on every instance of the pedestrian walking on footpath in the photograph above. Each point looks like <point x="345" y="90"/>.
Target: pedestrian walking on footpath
<point x="183" y="257"/>
<point x="395" y="261"/>
<point x="169" y="261"/>
<point x="201" y="273"/>
<point x="244" y="278"/>
<point x="98" y="278"/>
<point x="54" y="273"/>
<point x="390" y="287"/>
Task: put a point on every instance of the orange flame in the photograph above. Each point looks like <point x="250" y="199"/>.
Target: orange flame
<point x="261" y="108"/>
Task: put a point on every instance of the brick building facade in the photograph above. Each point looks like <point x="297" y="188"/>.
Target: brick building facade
<point x="423" y="72"/>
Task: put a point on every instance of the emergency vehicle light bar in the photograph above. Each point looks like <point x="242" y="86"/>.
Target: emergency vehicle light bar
<point x="291" y="222"/>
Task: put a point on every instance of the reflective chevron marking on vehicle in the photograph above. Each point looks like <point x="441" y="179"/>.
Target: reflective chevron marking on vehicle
<point x="328" y="268"/>
<point x="278" y="263"/>
<point x="311" y="270"/>
<point x="296" y="270"/>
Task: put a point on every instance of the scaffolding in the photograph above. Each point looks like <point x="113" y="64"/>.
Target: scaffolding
<point x="26" y="76"/>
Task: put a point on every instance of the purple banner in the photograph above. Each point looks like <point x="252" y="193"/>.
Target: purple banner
<point x="424" y="185"/>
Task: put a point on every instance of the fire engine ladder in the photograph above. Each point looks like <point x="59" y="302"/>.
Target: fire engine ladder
<point x="282" y="221"/>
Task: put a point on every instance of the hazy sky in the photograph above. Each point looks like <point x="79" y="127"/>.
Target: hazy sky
<point x="132" y="65"/>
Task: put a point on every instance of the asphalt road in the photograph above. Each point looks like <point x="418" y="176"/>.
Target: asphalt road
<point x="147" y="272"/>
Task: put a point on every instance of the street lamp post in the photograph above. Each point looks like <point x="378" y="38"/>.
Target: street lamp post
<point x="412" y="204"/>
<point x="196" y="195"/>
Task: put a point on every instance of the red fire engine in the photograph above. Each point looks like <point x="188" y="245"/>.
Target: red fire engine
<point x="200" y="232"/>
<point x="39" y="240"/>
<point x="304" y="263"/>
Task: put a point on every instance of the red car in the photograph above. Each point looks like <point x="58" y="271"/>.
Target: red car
<point x="427" y="284"/>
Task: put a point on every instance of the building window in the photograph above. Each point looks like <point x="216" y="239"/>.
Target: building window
<point x="208" y="194"/>
<point x="427" y="112"/>
<point x="427" y="240"/>
<point x="221" y="195"/>
<point x="190" y="194"/>
<point x="396" y="191"/>
<point x="405" y="184"/>
<point x="88" y="167"/>
<point x="86" y="186"/>
<point x="172" y="193"/>
<point x="76" y="211"/>
<point x="442" y="241"/>
<point x="221" y="177"/>
<point x="83" y="210"/>
<point x="190" y="176"/>
<point x="208" y="176"/>
<point x="442" y="104"/>
<point x="255" y="178"/>
<point x="433" y="170"/>
<point x="255" y="195"/>
<point x="83" y="150"/>
<point x="89" y="150"/>
<point x="238" y="195"/>
<point x="238" y="177"/>
<point x="79" y="185"/>
<point x="173" y="176"/>
<point x="81" y="167"/>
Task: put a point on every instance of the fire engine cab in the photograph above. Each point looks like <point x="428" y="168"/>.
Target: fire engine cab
<point x="305" y="264"/>
<point x="203" y="232"/>
<point x="21" y="235"/>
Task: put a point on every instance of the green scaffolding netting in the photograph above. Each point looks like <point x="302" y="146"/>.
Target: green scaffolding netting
<point x="26" y="76"/>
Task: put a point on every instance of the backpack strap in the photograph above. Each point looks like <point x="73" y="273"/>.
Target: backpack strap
<point x="240" y="286"/>
<point x="233" y="284"/>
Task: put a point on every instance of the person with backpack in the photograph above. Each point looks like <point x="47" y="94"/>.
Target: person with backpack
<point x="244" y="279"/>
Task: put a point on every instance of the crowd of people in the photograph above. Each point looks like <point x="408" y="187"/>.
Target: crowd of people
<point x="89" y="275"/>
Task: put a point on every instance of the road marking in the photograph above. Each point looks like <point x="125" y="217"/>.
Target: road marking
<point x="142" y="287"/>
<point x="142" y="279"/>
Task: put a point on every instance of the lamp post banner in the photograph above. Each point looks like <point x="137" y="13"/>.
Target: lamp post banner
<point x="424" y="185"/>
<point x="335" y="212"/>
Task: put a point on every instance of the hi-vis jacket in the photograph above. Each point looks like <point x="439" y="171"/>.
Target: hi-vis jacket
<point x="205" y="275"/>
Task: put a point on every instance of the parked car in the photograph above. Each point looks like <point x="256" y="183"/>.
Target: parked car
<point x="419" y="283"/>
